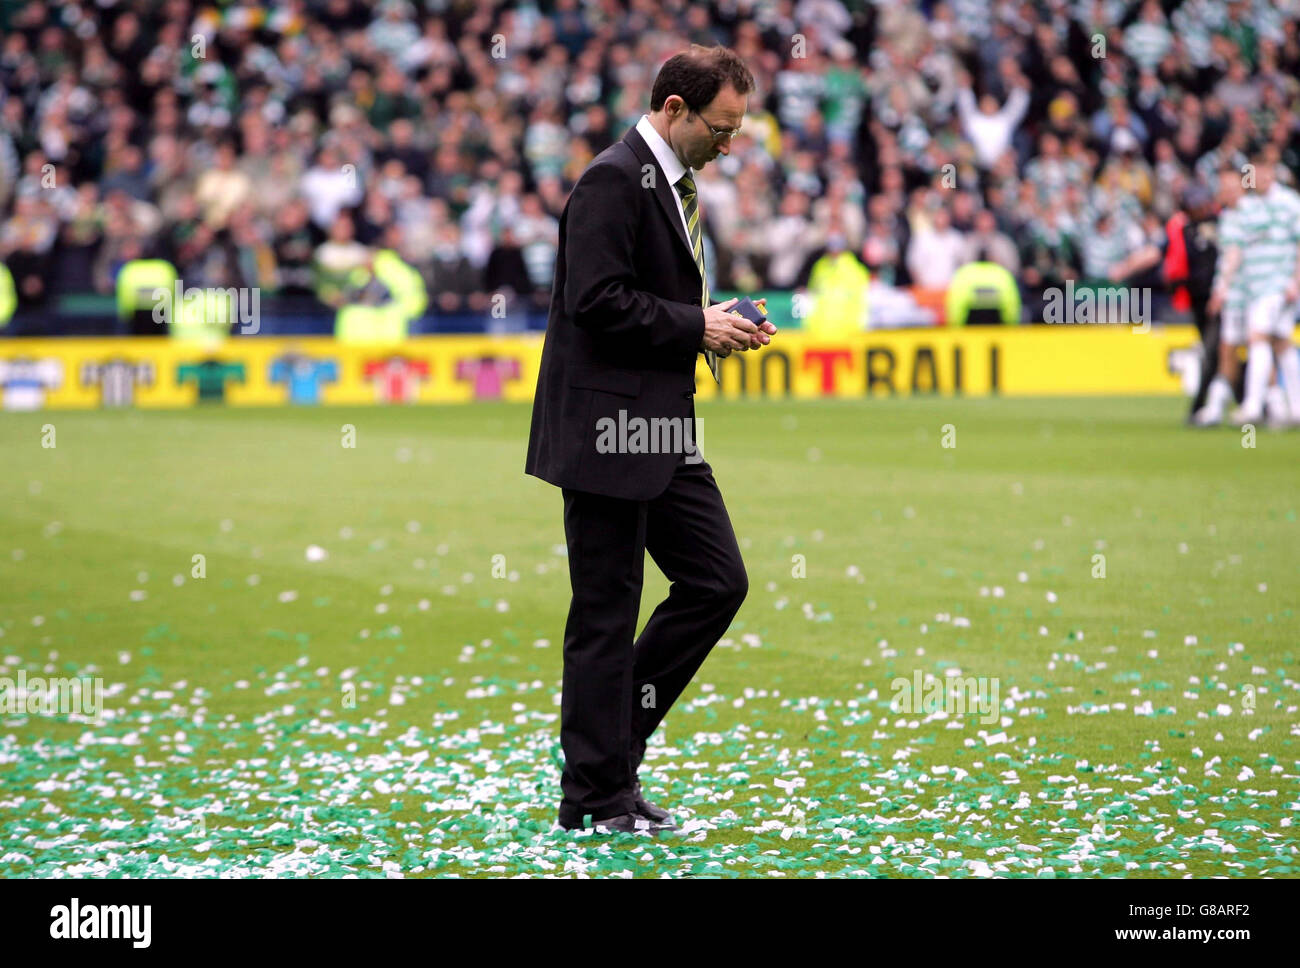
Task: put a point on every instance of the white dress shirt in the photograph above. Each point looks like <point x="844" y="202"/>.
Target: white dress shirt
<point x="672" y="168"/>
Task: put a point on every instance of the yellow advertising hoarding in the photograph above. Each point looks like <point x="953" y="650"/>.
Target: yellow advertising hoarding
<point x="264" y="371"/>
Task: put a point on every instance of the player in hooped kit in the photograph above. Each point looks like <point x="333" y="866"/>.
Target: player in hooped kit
<point x="1227" y="300"/>
<point x="1265" y="252"/>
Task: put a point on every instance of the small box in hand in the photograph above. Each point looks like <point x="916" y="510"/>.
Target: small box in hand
<point x="755" y="313"/>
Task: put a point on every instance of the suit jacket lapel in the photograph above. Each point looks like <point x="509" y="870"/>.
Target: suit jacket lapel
<point x="662" y="190"/>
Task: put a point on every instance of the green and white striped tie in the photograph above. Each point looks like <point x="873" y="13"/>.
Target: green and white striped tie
<point x="686" y="188"/>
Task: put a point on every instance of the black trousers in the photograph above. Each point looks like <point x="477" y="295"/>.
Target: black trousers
<point x="617" y="690"/>
<point x="1208" y="326"/>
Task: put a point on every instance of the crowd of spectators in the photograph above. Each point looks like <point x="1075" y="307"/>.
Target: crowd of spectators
<point x="279" y="143"/>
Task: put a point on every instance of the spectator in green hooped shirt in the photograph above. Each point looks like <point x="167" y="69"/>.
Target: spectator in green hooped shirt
<point x="845" y="93"/>
<point x="1240" y="33"/>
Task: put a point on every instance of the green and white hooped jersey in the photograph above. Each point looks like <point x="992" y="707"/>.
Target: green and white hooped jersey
<point x="1270" y="234"/>
<point x="1289" y="199"/>
<point x="1230" y="232"/>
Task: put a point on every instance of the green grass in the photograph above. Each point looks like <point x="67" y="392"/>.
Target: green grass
<point x="393" y="709"/>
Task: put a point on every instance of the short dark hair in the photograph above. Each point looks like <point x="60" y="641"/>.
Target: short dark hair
<point x="696" y="75"/>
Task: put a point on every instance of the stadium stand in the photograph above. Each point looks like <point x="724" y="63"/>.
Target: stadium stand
<point x="286" y="145"/>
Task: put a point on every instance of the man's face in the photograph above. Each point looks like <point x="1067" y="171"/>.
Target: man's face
<point x="688" y="131"/>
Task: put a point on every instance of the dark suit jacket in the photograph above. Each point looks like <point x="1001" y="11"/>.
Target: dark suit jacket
<point x="624" y="329"/>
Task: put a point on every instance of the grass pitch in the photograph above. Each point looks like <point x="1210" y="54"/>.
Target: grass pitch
<point x="386" y="703"/>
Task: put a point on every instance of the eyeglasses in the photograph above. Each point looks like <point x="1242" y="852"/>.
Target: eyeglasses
<point x="721" y="136"/>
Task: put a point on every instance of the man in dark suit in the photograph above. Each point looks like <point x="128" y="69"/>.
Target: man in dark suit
<point x="629" y="315"/>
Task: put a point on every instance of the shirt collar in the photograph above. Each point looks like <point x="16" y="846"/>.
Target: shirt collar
<point x="672" y="168"/>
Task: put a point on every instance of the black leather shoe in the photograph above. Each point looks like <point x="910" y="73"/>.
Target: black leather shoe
<point x="625" y="823"/>
<point x="647" y="809"/>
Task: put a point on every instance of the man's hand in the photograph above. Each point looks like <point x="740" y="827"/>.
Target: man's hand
<point x="724" y="332"/>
